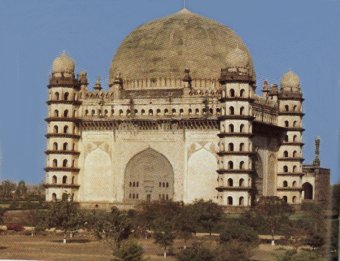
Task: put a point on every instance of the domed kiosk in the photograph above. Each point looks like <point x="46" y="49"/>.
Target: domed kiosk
<point x="180" y="120"/>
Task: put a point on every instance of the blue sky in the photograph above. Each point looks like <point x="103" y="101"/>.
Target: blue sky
<point x="300" y="35"/>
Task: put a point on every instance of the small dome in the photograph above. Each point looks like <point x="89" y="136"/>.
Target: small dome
<point x="290" y="80"/>
<point x="237" y="58"/>
<point x="63" y="64"/>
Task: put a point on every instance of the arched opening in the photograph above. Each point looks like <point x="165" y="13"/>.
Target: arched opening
<point x="232" y="93"/>
<point x="307" y="190"/>
<point x="286" y="138"/>
<point x="121" y="112"/>
<point x="241" y="146"/>
<point x="158" y="112"/>
<point x="65" y="146"/>
<point x="294" y="184"/>
<point x="241" y="201"/>
<point x="242" y="165"/>
<point x="93" y="112"/>
<point x="65" y="113"/>
<point x="190" y="111"/>
<point x="174" y="111"/>
<point x="286" y="107"/>
<point x="231" y="147"/>
<point x="55" y="163"/>
<point x="55" y="146"/>
<point x="64" y="179"/>
<point x="65" y="129"/>
<point x="241" y="128"/>
<point x="294" y="138"/>
<point x="294" y="199"/>
<point x="54" y="179"/>
<point x="231" y="128"/>
<point x="241" y="110"/>
<point x="241" y="183"/>
<point x="285" y="199"/>
<point x="230" y="201"/>
<point x="86" y="112"/>
<point x="54" y="197"/>
<point x="242" y="93"/>
<point x="230" y="182"/>
<point x="285" y="154"/>
<point x="230" y="165"/>
<point x="153" y="172"/>
<point x="166" y="111"/>
<point x="55" y="129"/>
<point x="295" y="124"/>
<point x="285" y="183"/>
<point x="150" y="112"/>
<point x="57" y="96"/>
<point x="286" y="124"/>
<point x="65" y="163"/>
<point x="294" y="168"/>
<point x="66" y="96"/>
<point x="294" y="154"/>
<point x="231" y="110"/>
<point x="294" y="108"/>
<point x="285" y="169"/>
<point x="72" y="182"/>
<point x="56" y="113"/>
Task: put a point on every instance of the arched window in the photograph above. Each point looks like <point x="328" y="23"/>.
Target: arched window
<point x="241" y="183"/>
<point x="230" y="201"/>
<point x="128" y="112"/>
<point x="65" y="146"/>
<point x="286" y="124"/>
<point x="55" y="146"/>
<point x="232" y="93"/>
<point x="241" y="201"/>
<point x="181" y="111"/>
<point x="158" y="111"/>
<point x="294" y="153"/>
<point x="56" y="113"/>
<point x="241" y="146"/>
<point x="285" y="183"/>
<point x="54" y="197"/>
<point x="230" y="182"/>
<point x="295" y="124"/>
<point x="294" y="138"/>
<point x="65" y="163"/>
<point x="242" y="93"/>
<point x="64" y="179"/>
<point x="134" y="184"/>
<point x="286" y="138"/>
<point x="72" y="182"/>
<point x="294" y="168"/>
<point x="294" y="199"/>
<point x="65" y="113"/>
<point x="231" y="110"/>
<point x="241" y="127"/>
<point x="242" y="165"/>
<point x="167" y="184"/>
<point x="241" y="110"/>
<point x="54" y="179"/>
<point x="285" y="154"/>
<point x="66" y="96"/>
<point x="286" y="107"/>
<point x="294" y="108"/>
<point x="65" y="129"/>
<point x="230" y="165"/>
<point x="86" y="112"/>
<point x="284" y="198"/>
<point x="55" y="129"/>
<point x="57" y="96"/>
<point x="166" y="111"/>
<point x="294" y="184"/>
<point x="93" y="112"/>
<point x="285" y="169"/>
<point x="106" y="112"/>
<point x="231" y="128"/>
<point x="121" y="112"/>
<point x="231" y="147"/>
<point x="190" y="111"/>
<point x="173" y="111"/>
<point x="150" y="112"/>
<point x="55" y="163"/>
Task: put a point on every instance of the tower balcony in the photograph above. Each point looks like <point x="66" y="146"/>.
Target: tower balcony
<point x="236" y="117"/>
<point x="65" y="152"/>
<point x="291" y="113"/>
<point x="62" y="135"/>
<point x="50" y="185"/>
<point x="69" y="119"/>
<point x="62" y="169"/>
<point x="229" y="188"/>
<point x="236" y="153"/>
<point x="235" y="171"/>
<point x="235" y="134"/>
<point x="299" y="159"/>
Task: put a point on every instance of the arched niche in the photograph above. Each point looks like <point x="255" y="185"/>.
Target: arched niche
<point x="150" y="170"/>
<point x="307" y="190"/>
<point x="257" y="177"/>
<point x="202" y="176"/>
<point x="98" y="178"/>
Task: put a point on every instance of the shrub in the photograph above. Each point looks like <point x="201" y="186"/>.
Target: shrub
<point x="129" y="251"/>
<point x="15" y="227"/>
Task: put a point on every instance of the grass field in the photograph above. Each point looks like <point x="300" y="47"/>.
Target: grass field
<point x="85" y="248"/>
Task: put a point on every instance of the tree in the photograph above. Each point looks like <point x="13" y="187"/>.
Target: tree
<point x="164" y="238"/>
<point x="129" y="251"/>
<point x="208" y="214"/>
<point x="186" y="223"/>
<point x="7" y="189"/>
<point x="239" y="232"/>
<point x="64" y="215"/>
<point x="21" y="189"/>
<point x="274" y="212"/>
<point x="197" y="252"/>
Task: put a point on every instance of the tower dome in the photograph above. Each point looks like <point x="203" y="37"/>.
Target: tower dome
<point x="63" y="64"/>
<point x="163" y="48"/>
<point x="290" y="80"/>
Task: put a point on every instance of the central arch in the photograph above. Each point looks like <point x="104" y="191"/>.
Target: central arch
<point x="308" y="190"/>
<point x="148" y="176"/>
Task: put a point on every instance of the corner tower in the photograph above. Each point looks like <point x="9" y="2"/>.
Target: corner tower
<point x="62" y="131"/>
<point x="236" y="129"/>
<point x="290" y="153"/>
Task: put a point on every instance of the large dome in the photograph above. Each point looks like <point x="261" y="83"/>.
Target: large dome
<point x="165" y="47"/>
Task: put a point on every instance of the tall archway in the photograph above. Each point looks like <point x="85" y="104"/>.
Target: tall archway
<point x="308" y="190"/>
<point x="150" y="170"/>
<point x="257" y="177"/>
